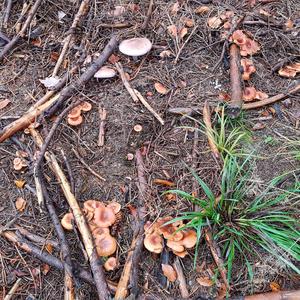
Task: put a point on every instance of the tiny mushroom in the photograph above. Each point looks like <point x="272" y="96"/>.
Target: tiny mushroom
<point x="67" y="221"/>
<point x="135" y="47"/>
<point x="19" y="163"/>
<point x="104" y="216"/>
<point x="85" y="106"/>
<point x="137" y="128"/>
<point x="153" y="242"/>
<point x="75" y="121"/>
<point x="106" y="245"/>
<point x="249" y="93"/>
<point x="110" y="264"/>
<point x="248" y="68"/>
<point x="105" y="73"/>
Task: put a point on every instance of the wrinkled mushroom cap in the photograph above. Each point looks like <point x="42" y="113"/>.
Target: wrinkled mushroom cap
<point x="287" y="72"/>
<point x="153" y="242"/>
<point x="110" y="264"/>
<point x="106" y="245"/>
<point x="115" y="206"/>
<point x="135" y="46"/>
<point x="100" y="231"/>
<point x="75" y="121"/>
<point x="249" y="93"/>
<point x="66" y="221"/>
<point x="250" y="47"/>
<point x="105" y="72"/>
<point x="91" y="205"/>
<point x="104" y="216"/>
<point x="239" y="37"/>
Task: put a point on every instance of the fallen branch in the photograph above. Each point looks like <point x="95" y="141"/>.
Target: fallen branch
<point x="236" y="102"/>
<point x="83" y="9"/>
<point x="136" y="95"/>
<point x="216" y="256"/>
<point x="148" y="16"/>
<point x="14" y="288"/>
<point x="8" y="47"/>
<point x="133" y="257"/>
<point x="102" y="116"/>
<point x="181" y="279"/>
<point x="272" y="99"/>
<point x="7" y="12"/>
<point x="209" y="130"/>
<point x="80" y="221"/>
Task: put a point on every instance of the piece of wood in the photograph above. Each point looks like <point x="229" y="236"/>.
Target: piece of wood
<point x="9" y="46"/>
<point x="273" y="99"/>
<point x="80" y="221"/>
<point x="102" y="117"/>
<point x="148" y="16"/>
<point x="282" y="295"/>
<point x="209" y="130"/>
<point x="82" y="11"/>
<point x="236" y="102"/>
<point x="13" y="290"/>
<point x="181" y="279"/>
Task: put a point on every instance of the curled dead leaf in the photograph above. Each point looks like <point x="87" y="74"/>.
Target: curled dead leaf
<point x="169" y="272"/>
<point x="161" y="89"/>
<point x="172" y="30"/>
<point x="20" y="204"/>
<point x="165" y="53"/>
<point x="20" y="183"/>
<point x="189" y="22"/>
<point x="4" y="103"/>
<point x="205" y="281"/>
<point x="175" y="8"/>
<point x="183" y="32"/>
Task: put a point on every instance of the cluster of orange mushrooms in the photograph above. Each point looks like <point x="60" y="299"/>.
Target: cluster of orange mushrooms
<point x="75" y="117"/>
<point x="99" y="217"/>
<point x="20" y="161"/>
<point x="178" y="240"/>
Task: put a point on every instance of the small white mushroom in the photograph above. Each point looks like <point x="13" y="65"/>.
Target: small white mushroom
<point x="105" y="72"/>
<point x="135" y="47"/>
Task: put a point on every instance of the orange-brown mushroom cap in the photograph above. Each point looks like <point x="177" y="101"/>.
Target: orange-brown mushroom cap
<point x="86" y="106"/>
<point x="75" y="121"/>
<point x="248" y="68"/>
<point x="189" y="238"/>
<point x="104" y="216"/>
<point x="106" y="245"/>
<point x="238" y="37"/>
<point x="100" y="231"/>
<point x="67" y="221"/>
<point x="91" y="205"/>
<point x="115" y="206"/>
<point x="18" y="163"/>
<point x="287" y="72"/>
<point x="182" y="254"/>
<point x="75" y="112"/>
<point x="249" y="93"/>
<point x="250" y="47"/>
<point x="153" y="242"/>
<point x="110" y="264"/>
<point x="261" y="95"/>
<point x="175" y="246"/>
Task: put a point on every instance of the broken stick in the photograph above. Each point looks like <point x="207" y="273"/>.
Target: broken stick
<point x="8" y="47"/>
<point x="102" y="116"/>
<point x="12" y="291"/>
<point x="235" y="105"/>
<point x="181" y="279"/>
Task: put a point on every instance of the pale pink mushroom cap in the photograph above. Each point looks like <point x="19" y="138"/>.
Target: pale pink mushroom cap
<point x="135" y="46"/>
<point x="105" y="72"/>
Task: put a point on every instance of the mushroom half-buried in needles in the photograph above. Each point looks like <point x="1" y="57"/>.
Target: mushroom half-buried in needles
<point x="85" y="106"/>
<point x="249" y="94"/>
<point x="67" y="221"/>
<point x="105" y="73"/>
<point x="135" y="47"/>
<point x="91" y="205"/>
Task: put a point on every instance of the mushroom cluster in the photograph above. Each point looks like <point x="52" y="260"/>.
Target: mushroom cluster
<point x="20" y="161"/>
<point x="99" y="217"/>
<point x="250" y="94"/>
<point x="75" y="117"/>
<point x="247" y="45"/>
<point x="290" y="71"/>
<point x="248" y="68"/>
<point x="177" y="240"/>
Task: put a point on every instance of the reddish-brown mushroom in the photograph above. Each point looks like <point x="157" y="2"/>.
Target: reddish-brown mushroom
<point x="67" y="221"/>
<point x="189" y="238"/>
<point x="110" y="264"/>
<point x="249" y="94"/>
<point x="288" y="71"/>
<point x="175" y="246"/>
<point x="153" y="242"/>
<point x="182" y="254"/>
<point x="91" y="205"/>
<point x="19" y="163"/>
<point x="104" y="216"/>
<point x="106" y="245"/>
<point x="238" y="37"/>
<point x="115" y="206"/>
<point x="75" y="112"/>
<point x="261" y="95"/>
<point x="99" y="231"/>
<point x="248" y="68"/>
<point x="75" y="121"/>
<point x="250" y="47"/>
<point x="85" y="106"/>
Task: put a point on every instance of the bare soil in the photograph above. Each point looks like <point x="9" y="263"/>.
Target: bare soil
<point x="190" y="82"/>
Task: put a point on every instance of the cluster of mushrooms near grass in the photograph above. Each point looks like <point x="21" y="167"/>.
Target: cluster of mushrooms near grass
<point x="99" y="217"/>
<point x="178" y="240"/>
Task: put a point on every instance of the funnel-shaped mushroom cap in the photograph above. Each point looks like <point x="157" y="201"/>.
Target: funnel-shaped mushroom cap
<point x="249" y="93"/>
<point x="100" y="231"/>
<point x="175" y="246"/>
<point x="135" y="46"/>
<point x="106" y="245"/>
<point x="85" y="106"/>
<point x="104" y="216"/>
<point x="91" y="205"/>
<point x="115" y="206"/>
<point x="182" y="254"/>
<point x="75" y="112"/>
<point x="110" y="264"/>
<point x="153" y="242"/>
<point x="105" y="72"/>
<point x="66" y="221"/>
<point x="248" y="68"/>
<point x="189" y="238"/>
<point x="75" y="121"/>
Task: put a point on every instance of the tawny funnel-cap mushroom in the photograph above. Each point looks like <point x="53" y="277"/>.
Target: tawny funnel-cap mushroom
<point x="238" y="37"/>
<point x="189" y="238"/>
<point x="287" y="72"/>
<point x="110" y="264"/>
<point x="175" y="246"/>
<point x="135" y="47"/>
<point x="105" y="72"/>
<point x="75" y="112"/>
<point x="115" y="206"/>
<point x="85" y="106"/>
<point x="182" y="254"/>
<point x="248" y="68"/>
<point x="261" y="95"/>
<point x="169" y="232"/>
<point x="75" y="121"/>
<point x="106" y="245"/>
<point x="153" y="242"/>
<point x="91" y="205"/>
<point x="104" y="216"/>
<point x="249" y="93"/>
<point x="250" y="47"/>
<point x="67" y="221"/>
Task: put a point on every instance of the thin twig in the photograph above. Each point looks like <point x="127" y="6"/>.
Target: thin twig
<point x="181" y="279"/>
<point x="14" y="288"/>
<point x="148" y="16"/>
<point x="102" y="116"/>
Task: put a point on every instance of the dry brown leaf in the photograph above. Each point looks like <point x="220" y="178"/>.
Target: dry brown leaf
<point x="133" y="7"/>
<point x="275" y="287"/>
<point x="201" y="10"/>
<point x="20" y="183"/>
<point x="54" y="56"/>
<point x="183" y="32"/>
<point x="163" y="182"/>
<point x="165" y="53"/>
<point x="172" y="30"/>
<point x="204" y="281"/>
<point x="161" y="89"/>
<point x="4" y="103"/>
<point x="49" y="248"/>
<point x="113" y="59"/>
<point x="175" y="8"/>
<point x="214" y="22"/>
<point x="37" y="42"/>
<point x="169" y="272"/>
<point x="264" y="13"/>
<point x="20" y="204"/>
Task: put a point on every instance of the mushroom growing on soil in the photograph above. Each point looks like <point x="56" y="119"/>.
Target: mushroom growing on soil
<point x="189" y="238"/>
<point x="153" y="242"/>
<point x="250" y="47"/>
<point x="105" y="73"/>
<point x="91" y="205"/>
<point x="75" y="112"/>
<point x="115" y="206"/>
<point x="106" y="245"/>
<point x="104" y="216"/>
<point x="75" y="121"/>
<point x="249" y="94"/>
<point x="67" y="221"/>
<point x="135" y="47"/>
<point x="85" y="106"/>
<point x="248" y="68"/>
<point x="110" y="264"/>
<point x="19" y="163"/>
